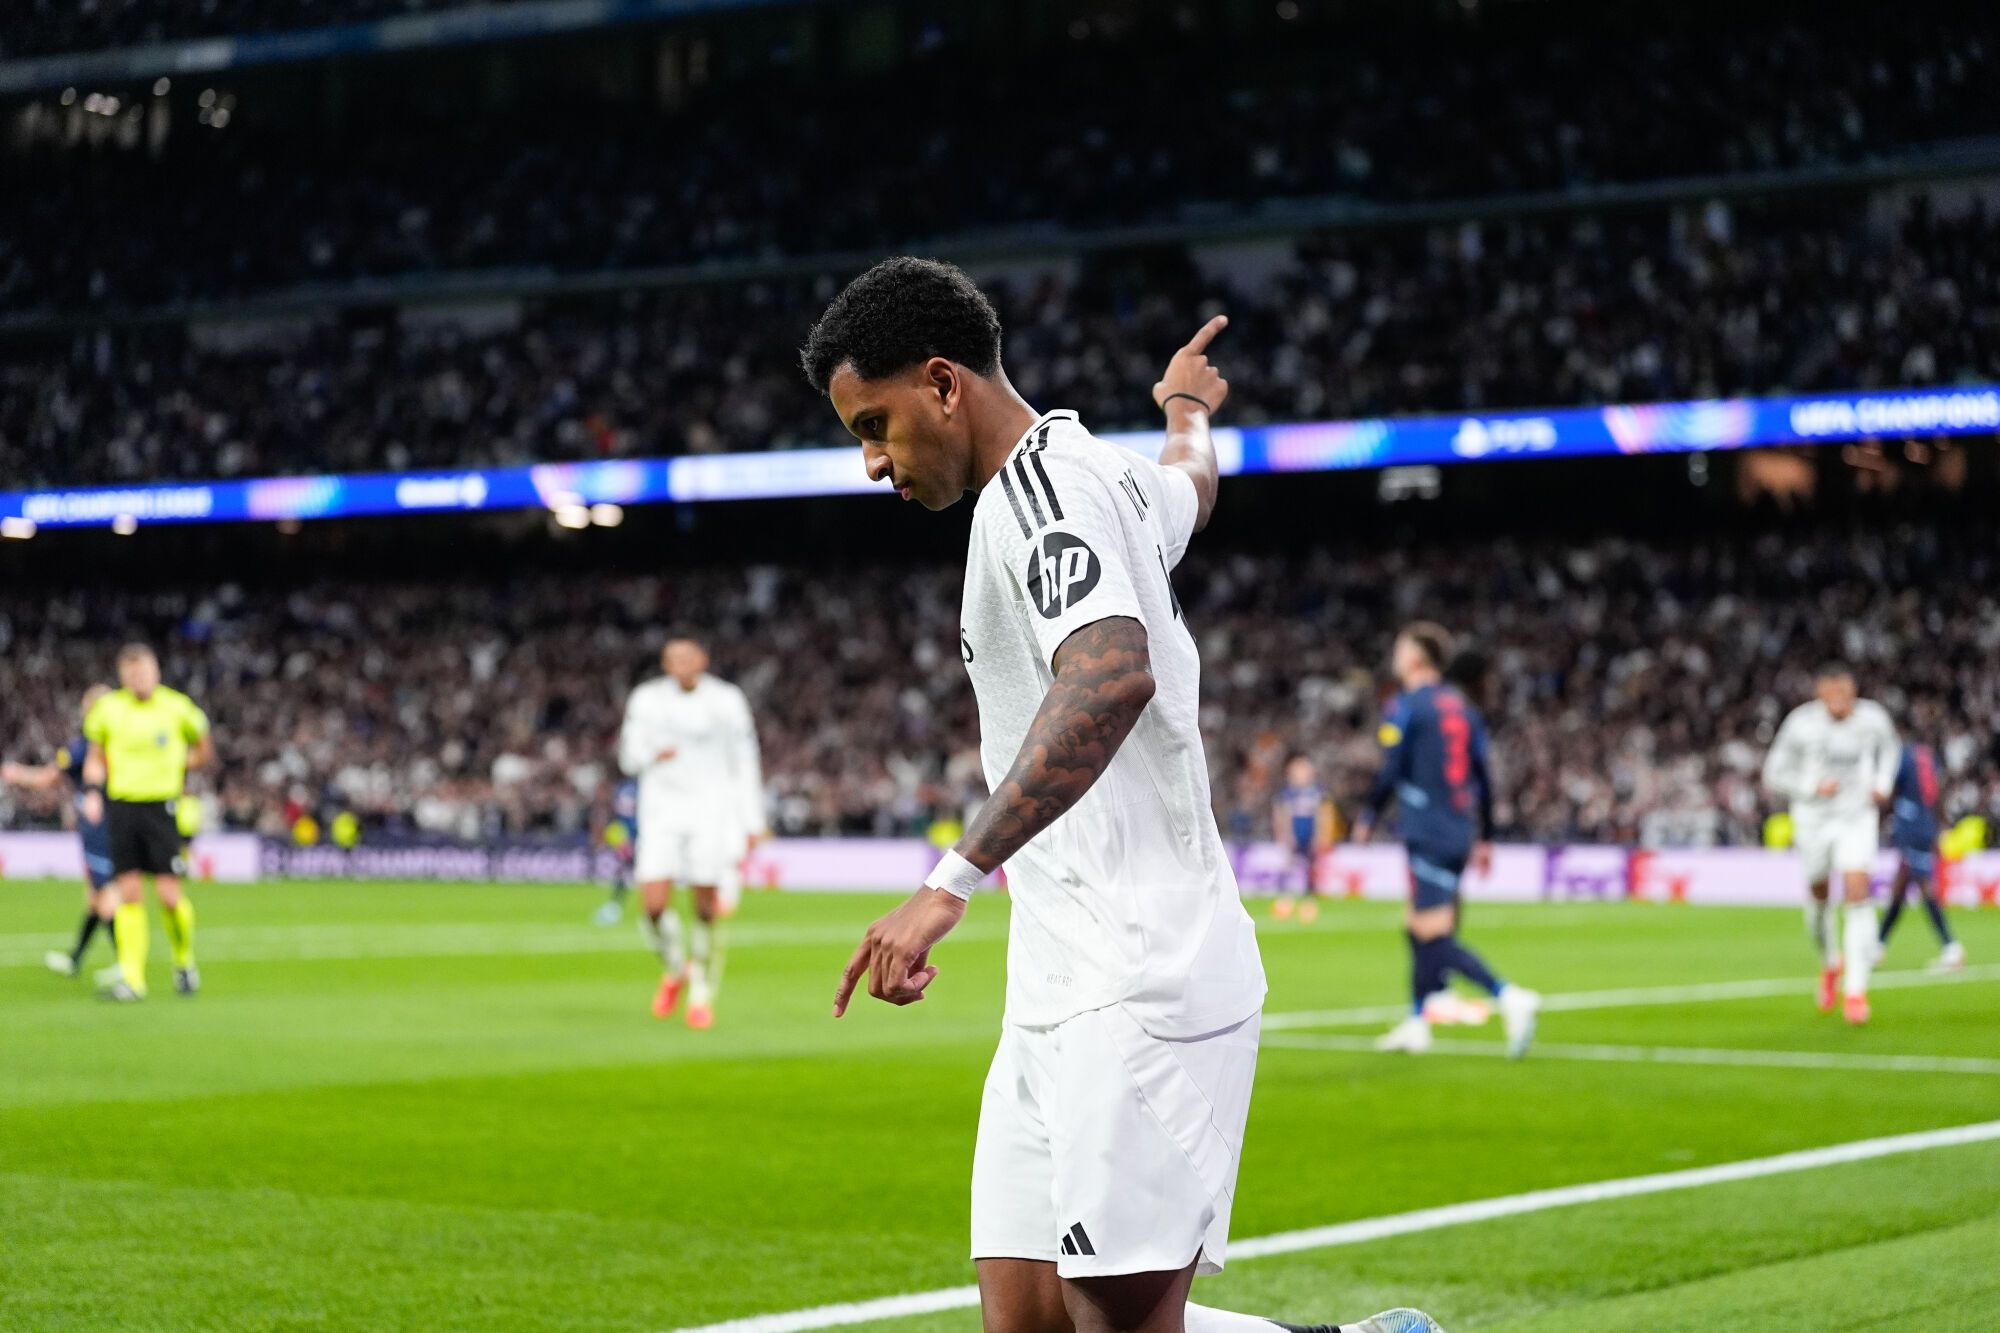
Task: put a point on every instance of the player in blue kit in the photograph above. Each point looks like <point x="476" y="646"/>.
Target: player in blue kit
<point x="621" y="835"/>
<point x="100" y="902"/>
<point x="1434" y="769"/>
<point x="1302" y="824"/>
<point x="1913" y="832"/>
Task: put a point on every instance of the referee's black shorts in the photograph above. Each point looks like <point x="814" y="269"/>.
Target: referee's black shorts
<point x="144" y="837"/>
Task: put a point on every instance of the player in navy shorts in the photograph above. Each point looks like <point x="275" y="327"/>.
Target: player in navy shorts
<point x="1913" y="833"/>
<point x="621" y="836"/>
<point x="1434" y="770"/>
<point x="99" y="901"/>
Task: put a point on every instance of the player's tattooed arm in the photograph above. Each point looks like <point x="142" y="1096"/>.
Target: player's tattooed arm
<point x="1103" y="681"/>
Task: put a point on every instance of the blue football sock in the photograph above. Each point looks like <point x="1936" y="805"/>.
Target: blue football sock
<point x="1938" y="923"/>
<point x="1894" y="910"/>
<point x="1426" y="971"/>
<point x="1457" y="958"/>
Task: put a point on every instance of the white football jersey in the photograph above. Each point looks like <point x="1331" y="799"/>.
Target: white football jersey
<point x="1129" y="897"/>
<point x="713" y="777"/>
<point x="1860" y="751"/>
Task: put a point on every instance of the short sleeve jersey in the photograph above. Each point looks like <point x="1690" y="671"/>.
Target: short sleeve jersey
<point x="1128" y="898"/>
<point x="146" y="742"/>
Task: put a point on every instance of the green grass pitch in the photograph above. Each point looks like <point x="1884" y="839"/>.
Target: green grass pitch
<point x="446" y="1107"/>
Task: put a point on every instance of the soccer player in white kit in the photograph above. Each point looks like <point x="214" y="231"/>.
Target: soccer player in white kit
<point x="1835" y="760"/>
<point x="1113" y="1114"/>
<point x="690" y="740"/>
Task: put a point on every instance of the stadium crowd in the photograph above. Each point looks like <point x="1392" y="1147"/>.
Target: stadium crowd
<point x="36" y="27"/>
<point x="1035" y="140"/>
<point x="1636" y="685"/>
<point x="1690" y="303"/>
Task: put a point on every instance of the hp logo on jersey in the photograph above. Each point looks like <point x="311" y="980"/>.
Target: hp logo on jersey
<point x="1061" y="573"/>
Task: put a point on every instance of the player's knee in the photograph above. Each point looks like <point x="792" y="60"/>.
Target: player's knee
<point x="1138" y="1303"/>
<point x="169" y="890"/>
<point x="1017" y="1296"/>
<point x="1431" y="923"/>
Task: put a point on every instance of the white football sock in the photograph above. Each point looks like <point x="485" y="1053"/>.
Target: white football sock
<point x="702" y="938"/>
<point x="1201" y="1319"/>
<point x="1862" y="932"/>
<point x="718" y="954"/>
<point x="662" y="934"/>
<point x="1820" y="930"/>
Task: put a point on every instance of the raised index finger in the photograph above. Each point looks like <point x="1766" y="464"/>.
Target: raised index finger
<point x="1206" y="332"/>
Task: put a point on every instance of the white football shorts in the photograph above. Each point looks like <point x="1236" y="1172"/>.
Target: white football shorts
<point x="1836" y="846"/>
<point x="704" y="856"/>
<point x="1106" y="1150"/>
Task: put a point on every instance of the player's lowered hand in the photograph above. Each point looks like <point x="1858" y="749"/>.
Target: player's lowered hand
<point x="1829" y="787"/>
<point x="1190" y="373"/>
<point x="93" y="806"/>
<point x="1482" y="858"/>
<point x="895" y="953"/>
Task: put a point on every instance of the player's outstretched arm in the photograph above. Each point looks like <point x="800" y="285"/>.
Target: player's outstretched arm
<point x="1190" y="392"/>
<point x="1103" y="681"/>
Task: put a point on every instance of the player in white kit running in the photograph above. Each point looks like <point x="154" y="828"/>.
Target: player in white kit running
<point x="1834" y="760"/>
<point x="689" y="739"/>
<point x="1113" y="1114"/>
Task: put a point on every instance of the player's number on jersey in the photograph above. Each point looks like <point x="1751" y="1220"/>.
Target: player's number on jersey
<point x="1457" y="747"/>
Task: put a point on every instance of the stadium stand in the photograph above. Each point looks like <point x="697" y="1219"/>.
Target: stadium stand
<point x="1692" y="302"/>
<point x="556" y="181"/>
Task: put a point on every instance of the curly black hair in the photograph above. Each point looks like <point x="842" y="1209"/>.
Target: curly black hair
<point x="901" y="312"/>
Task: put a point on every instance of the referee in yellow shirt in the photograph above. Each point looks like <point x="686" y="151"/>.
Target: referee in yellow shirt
<point x="143" y="739"/>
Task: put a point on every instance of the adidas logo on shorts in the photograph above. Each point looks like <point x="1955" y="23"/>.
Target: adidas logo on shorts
<point x="1077" y="1241"/>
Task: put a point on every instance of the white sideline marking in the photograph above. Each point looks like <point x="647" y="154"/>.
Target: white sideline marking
<point x="1641" y="996"/>
<point x="1402" y="1224"/>
<point x="1671" y="1055"/>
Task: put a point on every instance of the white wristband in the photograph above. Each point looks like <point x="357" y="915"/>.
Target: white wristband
<point x="956" y="876"/>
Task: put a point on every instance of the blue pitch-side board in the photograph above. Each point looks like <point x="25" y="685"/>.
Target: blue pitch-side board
<point x="1315" y="446"/>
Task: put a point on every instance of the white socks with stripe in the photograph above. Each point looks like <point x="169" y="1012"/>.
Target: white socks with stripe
<point x="1201" y="1319"/>
<point x="662" y="934"/>
<point x="1862" y="933"/>
<point x="701" y="986"/>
